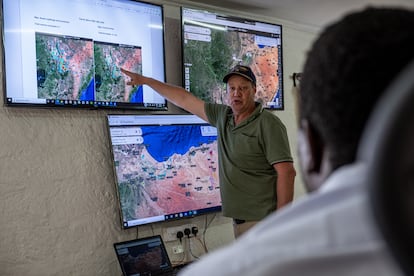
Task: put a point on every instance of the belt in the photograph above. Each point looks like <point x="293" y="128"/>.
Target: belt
<point x="239" y="221"/>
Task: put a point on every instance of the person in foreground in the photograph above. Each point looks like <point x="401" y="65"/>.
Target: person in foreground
<point x="331" y="230"/>
<point x="256" y="170"/>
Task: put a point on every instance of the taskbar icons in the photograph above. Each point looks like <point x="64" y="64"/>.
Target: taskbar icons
<point x="84" y="103"/>
<point x="80" y="103"/>
<point x="181" y="215"/>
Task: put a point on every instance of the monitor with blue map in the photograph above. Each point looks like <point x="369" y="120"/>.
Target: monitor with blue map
<point x="213" y="42"/>
<point x="165" y="167"/>
<point x="61" y="53"/>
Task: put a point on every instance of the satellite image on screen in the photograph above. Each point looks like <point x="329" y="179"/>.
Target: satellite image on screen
<point x="225" y="50"/>
<point x="61" y="54"/>
<point x="70" y="68"/>
<point x="166" y="169"/>
<point x="64" y="67"/>
<point x="110" y="83"/>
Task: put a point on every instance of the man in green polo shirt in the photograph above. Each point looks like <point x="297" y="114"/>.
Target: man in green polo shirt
<point x="256" y="167"/>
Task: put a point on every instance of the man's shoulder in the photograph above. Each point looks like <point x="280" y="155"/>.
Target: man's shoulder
<point x="269" y="115"/>
<point x="216" y="112"/>
<point x="214" y="107"/>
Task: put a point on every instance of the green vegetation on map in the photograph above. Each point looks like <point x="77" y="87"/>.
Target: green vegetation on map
<point x="108" y="76"/>
<point x="212" y="60"/>
<point x="64" y="66"/>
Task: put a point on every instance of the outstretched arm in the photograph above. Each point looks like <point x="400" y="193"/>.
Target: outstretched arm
<point x="175" y="94"/>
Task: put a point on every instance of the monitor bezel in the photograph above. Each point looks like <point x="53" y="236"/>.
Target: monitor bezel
<point x="157" y="120"/>
<point x="79" y="104"/>
<point x="228" y="15"/>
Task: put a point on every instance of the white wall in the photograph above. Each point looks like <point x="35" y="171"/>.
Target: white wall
<point x="58" y="208"/>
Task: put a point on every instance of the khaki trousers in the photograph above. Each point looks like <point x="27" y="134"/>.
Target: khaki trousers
<point x="239" y="229"/>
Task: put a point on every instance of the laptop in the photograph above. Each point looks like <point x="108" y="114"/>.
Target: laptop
<point x="144" y="256"/>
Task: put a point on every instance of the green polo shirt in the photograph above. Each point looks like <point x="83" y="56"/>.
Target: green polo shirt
<point x="246" y="155"/>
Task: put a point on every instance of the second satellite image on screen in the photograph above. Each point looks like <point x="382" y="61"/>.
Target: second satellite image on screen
<point x="73" y="68"/>
<point x="173" y="170"/>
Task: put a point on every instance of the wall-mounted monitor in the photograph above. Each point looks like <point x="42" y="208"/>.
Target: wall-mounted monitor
<point x="64" y="53"/>
<point x="166" y="167"/>
<point x="212" y="43"/>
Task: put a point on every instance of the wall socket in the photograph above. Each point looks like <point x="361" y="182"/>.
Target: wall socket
<point x="178" y="249"/>
<point x="170" y="233"/>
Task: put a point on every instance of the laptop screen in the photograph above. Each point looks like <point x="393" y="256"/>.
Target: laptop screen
<point x="145" y="256"/>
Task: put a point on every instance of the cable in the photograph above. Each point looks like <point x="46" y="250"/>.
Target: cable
<point x="191" y="252"/>
<point x="206" y="225"/>
<point x="202" y="244"/>
<point x="180" y="235"/>
<point x="187" y="232"/>
<point x="194" y="230"/>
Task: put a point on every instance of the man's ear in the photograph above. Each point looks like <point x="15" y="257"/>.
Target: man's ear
<point x="310" y="147"/>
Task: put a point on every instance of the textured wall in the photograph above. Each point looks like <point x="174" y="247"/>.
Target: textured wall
<point x="58" y="201"/>
<point x="58" y="209"/>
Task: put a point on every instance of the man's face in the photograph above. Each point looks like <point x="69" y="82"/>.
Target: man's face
<point x="240" y="92"/>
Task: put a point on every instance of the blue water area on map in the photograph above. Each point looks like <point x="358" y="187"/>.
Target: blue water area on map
<point x="164" y="141"/>
<point x="88" y="94"/>
<point x="138" y="96"/>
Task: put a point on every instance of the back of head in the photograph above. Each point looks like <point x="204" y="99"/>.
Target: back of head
<point x="347" y="70"/>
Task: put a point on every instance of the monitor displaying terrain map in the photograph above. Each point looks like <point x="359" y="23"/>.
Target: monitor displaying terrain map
<point x="61" y="53"/>
<point x="166" y="167"/>
<point x="213" y="43"/>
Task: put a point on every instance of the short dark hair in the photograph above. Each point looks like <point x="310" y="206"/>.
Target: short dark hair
<point x="348" y="68"/>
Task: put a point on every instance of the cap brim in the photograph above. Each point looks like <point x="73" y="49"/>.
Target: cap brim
<point x="226" y="77"/>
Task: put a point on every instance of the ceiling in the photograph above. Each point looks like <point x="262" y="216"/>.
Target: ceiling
<point x="314" y="14"/>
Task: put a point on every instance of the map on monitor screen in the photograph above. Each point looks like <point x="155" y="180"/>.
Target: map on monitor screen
<point x="214" y="43"/>
<point x="111" y="85"/>
<point x="64" y="67"/>
<point x="166" y="167"/>
<point x="55" y="58"/>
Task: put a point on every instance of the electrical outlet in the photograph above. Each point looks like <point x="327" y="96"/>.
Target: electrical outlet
<point x="170" y="233"/>
<point x="178" y="249"/>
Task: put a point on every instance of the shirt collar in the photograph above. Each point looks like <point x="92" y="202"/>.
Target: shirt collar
<point x="347" y="175"/>
<point x="257" y="111"/>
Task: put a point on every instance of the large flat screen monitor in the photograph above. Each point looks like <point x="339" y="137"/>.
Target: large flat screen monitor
<point x="68" y="53"/>
<point x="166" y="167"/>
<point x="213" y="43"/>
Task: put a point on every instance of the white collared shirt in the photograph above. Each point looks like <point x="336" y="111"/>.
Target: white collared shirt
<point x="328" y="232"/>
